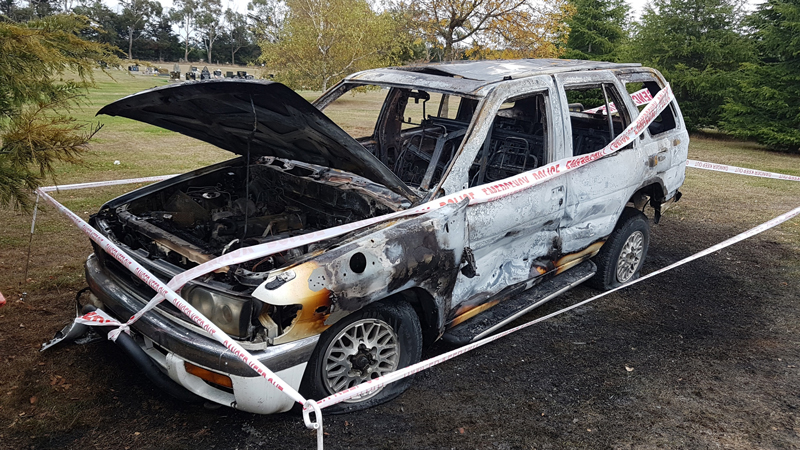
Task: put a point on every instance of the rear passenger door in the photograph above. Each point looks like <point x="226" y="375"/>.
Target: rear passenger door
<point x="597" y="192"/>
<point x="665" y="141"/>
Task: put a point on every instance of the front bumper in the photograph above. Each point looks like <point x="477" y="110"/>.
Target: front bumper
<point x="170" y="343"/>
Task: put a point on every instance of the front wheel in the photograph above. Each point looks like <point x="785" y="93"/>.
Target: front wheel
<point x="622" y="256"/>
<point x="374" y="341"/>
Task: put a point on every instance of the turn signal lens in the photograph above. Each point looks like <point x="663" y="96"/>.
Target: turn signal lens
<point x="207" y="375"/>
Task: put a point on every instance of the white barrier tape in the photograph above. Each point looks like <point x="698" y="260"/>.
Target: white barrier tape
<point x="739" y="170"/>
<point x="97" y="318"/>
<point x="479" y="194"/>
<point x="308" y="407"/>
<point x="151" y="280"/>
<point x="67" y="187"/>
<point x="640" y="97"/>
<point x="379" y="382"/>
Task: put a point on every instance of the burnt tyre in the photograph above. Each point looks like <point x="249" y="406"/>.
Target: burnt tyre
<point x="621" y="258"/>
<point x="374" y="341"/>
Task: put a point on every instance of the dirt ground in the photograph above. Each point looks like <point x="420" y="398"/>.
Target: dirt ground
<point x="705" y="356"/>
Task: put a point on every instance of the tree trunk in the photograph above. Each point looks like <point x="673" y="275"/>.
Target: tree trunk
<point x="448" y="49"/>
<point x="186" y="49"/>
<point x="130" y="42"/>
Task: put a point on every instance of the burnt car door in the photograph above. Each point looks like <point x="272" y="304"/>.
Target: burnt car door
<point x="597" y="192"/>
<point x="513" y="238"/>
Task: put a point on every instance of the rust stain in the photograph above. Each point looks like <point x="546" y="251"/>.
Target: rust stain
<point x="467" y="312"/>
<point x="316" y="306"/>
<point x="573" y="259"/>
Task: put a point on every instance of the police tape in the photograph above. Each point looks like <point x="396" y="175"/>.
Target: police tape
<point x="475" y="195"/>
<point x="67" y="187"/>
<point x="377" y="383"/>
<point x="640" y="97"/>
<point x="739" y="170"/>
<point x="480" y="194"/>
<point x="153" y="282"/>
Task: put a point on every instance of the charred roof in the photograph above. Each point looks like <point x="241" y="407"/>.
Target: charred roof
<point x="498" y="70"/>
<point x="467" y="77"/>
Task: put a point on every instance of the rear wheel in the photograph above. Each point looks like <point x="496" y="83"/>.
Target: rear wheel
<point x="374" y="341"/>
<point x="621" y="258"/>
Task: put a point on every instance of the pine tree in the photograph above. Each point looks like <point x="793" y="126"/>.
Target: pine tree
<point x="35" y="130"/>
<point x="698" y="46"/>
<point x="766" y="105"/>
<point x="597" y="29"/>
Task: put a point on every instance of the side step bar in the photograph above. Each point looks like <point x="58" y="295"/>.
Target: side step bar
<point x="509" y="310"/>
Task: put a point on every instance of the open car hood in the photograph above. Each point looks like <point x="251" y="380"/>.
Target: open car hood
<point x="223" y="113"/>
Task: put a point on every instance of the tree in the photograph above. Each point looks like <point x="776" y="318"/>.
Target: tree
<point x="135" y="14"/>
<point x="161" y="38"/>
<point x="184" y="13"/>
<point x="597" y="29"/>
<point x="237" y="31"/>
<point x="766" y="104"/>
<point x="209" y="23"/>
<point x="698" y="45"/>
<point x="35" y="131"/>
<point x="321" y="41"/>
<point x="531" y="31"/>
<point x="107" y="26"/>
<point x="266" y="18"/>
<point x="522" y="26"/>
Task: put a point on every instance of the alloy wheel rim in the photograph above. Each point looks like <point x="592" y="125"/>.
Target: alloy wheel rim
<point x="630" y="256"/>
<point x="364" y="350"/>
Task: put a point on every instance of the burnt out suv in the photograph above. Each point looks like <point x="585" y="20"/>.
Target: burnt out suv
<point x="340" y="310"/>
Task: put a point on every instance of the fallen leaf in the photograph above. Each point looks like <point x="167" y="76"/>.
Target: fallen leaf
<point x="136" y="433"/>
<point x="34" y="400"/>
<point x="461" y="431"/>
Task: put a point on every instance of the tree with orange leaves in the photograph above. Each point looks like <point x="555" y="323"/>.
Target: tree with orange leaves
<point x="491" y="28"/>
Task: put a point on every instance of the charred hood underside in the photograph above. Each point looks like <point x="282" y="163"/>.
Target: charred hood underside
<point x="262" y="118"/>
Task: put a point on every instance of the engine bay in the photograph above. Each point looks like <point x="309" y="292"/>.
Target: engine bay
<point x="199" y="219"/>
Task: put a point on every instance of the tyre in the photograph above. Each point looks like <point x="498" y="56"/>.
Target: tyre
<point x="622" y="256"/>
<point x="374" y="341"/>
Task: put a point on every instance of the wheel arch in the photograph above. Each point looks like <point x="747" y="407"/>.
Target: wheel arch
<point x="428" y="310"/>
<point x="652" y="189"/>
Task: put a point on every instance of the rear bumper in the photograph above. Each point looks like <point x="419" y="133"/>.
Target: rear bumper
<point x="170" y="343"/>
